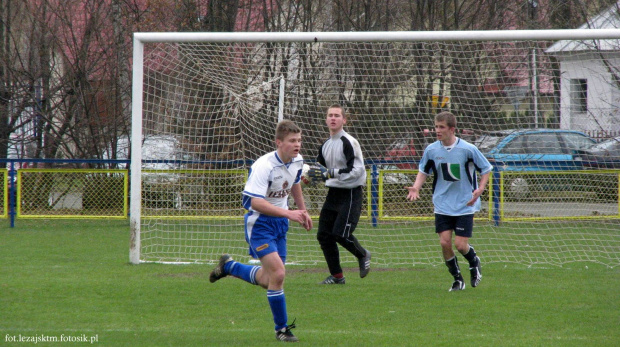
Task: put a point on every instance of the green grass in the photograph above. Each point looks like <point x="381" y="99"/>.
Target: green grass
<point x="73" y="278"/>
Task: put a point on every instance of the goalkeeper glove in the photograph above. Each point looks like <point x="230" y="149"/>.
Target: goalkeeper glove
<point x="320" y="172"/>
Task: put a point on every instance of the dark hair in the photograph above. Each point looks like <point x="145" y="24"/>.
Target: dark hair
<point x="286" y="127"/>
<point x="447" y="117"/>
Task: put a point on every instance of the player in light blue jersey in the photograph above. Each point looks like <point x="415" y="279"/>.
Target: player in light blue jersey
<point x="272" y="178"/>
<point x="456" y="193"/>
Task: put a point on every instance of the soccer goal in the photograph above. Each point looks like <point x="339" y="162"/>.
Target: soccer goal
<point x="531" y="100"/>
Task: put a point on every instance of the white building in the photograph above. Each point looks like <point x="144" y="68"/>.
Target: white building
<point x="590" y="78"/>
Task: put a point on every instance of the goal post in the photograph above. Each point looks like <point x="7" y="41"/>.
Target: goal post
<point x="215" y="99"/>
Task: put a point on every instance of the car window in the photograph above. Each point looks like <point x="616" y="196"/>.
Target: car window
<point x="515" y="146"/>
<point x="608" y="145"/>
<point x="577" y="141"/>
<point x="543" y="143"/>
<point x="486" y="142"/>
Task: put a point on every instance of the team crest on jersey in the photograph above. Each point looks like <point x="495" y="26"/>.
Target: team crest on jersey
<point x="451" y="172"/>
<point x="285" y="185"/>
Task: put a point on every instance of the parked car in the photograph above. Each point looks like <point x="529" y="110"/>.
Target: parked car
<point x="533" y="150"/>
<point x="603" y="155"/>
<point x="391" y="177"/>
<point x="163" y="187"/>
<point x="403" y="150"/>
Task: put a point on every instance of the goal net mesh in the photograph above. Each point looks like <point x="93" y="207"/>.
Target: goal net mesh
<point x="217" y="104"/>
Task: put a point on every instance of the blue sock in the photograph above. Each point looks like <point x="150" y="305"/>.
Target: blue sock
<point x="277" y="302"/>
<point x="242" y="271"/>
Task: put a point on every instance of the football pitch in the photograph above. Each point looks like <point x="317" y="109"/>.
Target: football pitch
<point x="70" y="281"/>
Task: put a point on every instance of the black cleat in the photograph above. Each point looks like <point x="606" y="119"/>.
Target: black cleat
<point x="333" y="280"/>
<point x="285" y="334"/>
<point x="457" y="285"/>
<point x="218" y="272"/>
<point x="476" y="275"/>
<point x="364" y="264"/>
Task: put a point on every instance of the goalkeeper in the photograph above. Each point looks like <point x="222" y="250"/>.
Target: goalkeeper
<point x="456" y="194"/>
<point x="342" y="168"/>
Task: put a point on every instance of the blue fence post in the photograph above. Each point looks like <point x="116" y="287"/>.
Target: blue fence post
<point x="12" y="192"/>
<point x="374" y="194"/>
<point x="496" y="197"/>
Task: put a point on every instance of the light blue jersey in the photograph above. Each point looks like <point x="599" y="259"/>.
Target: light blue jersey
<point x="455" y="176"/>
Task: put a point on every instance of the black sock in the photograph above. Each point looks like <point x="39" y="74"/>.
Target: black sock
<point x="453" y="267"/>
<point x="471" y="256"/>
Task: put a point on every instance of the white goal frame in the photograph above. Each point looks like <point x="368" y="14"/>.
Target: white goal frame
<point x="140" y="39"/>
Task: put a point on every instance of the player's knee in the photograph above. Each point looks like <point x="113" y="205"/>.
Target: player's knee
<point x="324" y="238"/>
<point x="445" y="243"/>
<point x="462" y="244"/>
<point x="276" y="277"/>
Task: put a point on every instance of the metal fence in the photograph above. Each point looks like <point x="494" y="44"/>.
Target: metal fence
<point x="78" y="189"/>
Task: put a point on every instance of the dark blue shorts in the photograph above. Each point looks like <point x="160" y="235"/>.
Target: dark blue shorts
<point x="462" y="225"/>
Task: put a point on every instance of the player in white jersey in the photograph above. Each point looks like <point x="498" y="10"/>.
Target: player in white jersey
<point x="456" y="194"/>
<point x="272" y="178"/>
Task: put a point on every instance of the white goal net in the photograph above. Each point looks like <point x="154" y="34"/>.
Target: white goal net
<point x="535" y="102"/>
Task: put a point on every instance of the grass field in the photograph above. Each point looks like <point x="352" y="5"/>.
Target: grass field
<point x="71" y="280"/>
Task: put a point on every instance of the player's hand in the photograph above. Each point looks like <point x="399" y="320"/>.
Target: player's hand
<point x="302" y="217"/>
<point x="320" y="172"/>
<point x="308" y="224"/>
<point x="414" y="193"/>
<point x="475" y="195"/>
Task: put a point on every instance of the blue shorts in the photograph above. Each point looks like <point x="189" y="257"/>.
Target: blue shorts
<point x="462" y="225"/>
<point x="266" y="234"/>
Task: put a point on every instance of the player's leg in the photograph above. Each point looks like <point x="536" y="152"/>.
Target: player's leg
<point x="258" y="235"/>
<point x="463" y="232"/>
<point x="328" y="244"/>
<point x="443" y="228"/>
<point x="227" y="266"/>
<point x="273" y="276"/>
<point x="275" y="291"/>
<point x="345" y="224"/>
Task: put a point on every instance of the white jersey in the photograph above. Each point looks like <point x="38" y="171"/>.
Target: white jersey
<point x="271" y="179"/>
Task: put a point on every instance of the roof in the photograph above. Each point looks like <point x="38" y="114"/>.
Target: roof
<point x="608" y="19"/>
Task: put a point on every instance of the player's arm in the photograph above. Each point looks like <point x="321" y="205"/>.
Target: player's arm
<point x="300" y="216"/>
<point x="414" y="191"/>
<point x="352" y="153"/>
<point x="485" y="167"/>
<point x="484" y="180"/>
<point x="298" y="197"/>
<point x="320" y="158"/>
<point x="426" y="167"/>
<point x="348" y="173"/>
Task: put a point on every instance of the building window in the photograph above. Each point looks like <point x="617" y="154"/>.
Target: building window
<point x="579" y="95"/>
